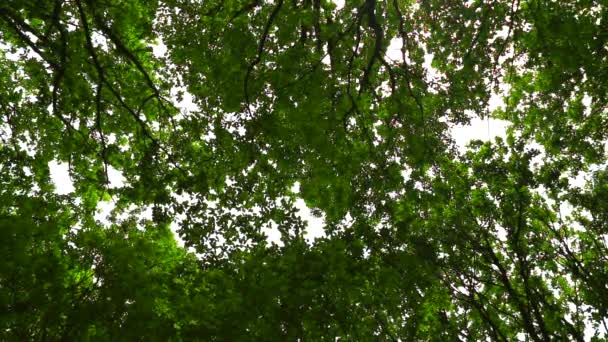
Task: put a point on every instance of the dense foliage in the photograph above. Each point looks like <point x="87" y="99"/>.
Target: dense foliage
<point x="505" y="240"/>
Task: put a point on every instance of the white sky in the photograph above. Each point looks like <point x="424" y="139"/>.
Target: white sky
<point x="480" y="129"/>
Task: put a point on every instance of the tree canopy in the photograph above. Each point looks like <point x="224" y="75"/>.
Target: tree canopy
<point x="349" y="108"/>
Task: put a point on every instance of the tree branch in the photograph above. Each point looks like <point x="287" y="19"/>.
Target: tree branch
<point x="258" y="57"/>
